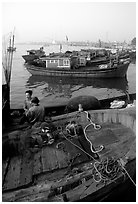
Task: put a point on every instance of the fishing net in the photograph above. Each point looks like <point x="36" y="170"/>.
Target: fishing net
<point x="87" y="102"/>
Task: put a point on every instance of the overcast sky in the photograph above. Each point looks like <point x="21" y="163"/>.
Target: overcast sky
<point x="80" y="21"/>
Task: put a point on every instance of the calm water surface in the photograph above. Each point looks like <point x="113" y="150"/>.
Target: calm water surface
<point x="59" y="90"/>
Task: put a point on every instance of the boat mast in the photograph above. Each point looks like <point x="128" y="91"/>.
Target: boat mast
<point x="7" y="67"/>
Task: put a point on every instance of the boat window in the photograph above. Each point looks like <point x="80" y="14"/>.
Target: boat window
<point x="51" y="61"/>
<point x="66" y="62"/>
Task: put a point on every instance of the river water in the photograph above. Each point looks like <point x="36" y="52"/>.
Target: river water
<point x="59" y="90"/>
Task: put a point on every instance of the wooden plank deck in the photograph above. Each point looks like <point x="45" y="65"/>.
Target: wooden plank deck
<point x="12" y="179"/>
<point x="62" y="158"/>
<point x="49" y="159"/>
<point x="74" y="150"/>
<point x="26" y="169"/>
<point x="4" y="168"/>
<point x="37" y="163"/>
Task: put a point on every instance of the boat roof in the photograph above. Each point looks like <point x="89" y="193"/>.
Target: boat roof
<point x="55" y="57"/>
<point x="33" y="50"/>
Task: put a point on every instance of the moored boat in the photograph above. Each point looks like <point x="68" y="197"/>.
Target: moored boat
<point x="63" y="67"/>
<point x="93" y="153"/>
<point x="33" y="55"/>
<point x="103" y="56"/>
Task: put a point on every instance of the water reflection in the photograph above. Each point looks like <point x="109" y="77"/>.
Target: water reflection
<point x="65" y="86"/>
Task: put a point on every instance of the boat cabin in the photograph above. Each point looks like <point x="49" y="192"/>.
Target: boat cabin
<point x="57" y="62"/>
<point x="64" y="62"/>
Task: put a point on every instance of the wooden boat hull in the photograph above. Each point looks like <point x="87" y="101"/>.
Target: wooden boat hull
<point x="86" y="72"/>
<point x="48" y="172"/>
<point x="29" y="58"/>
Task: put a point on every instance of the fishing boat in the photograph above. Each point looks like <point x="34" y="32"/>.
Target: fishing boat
<point x="33" y="55"/>
<point x="103" y="56"/>
<point x="76" y="67"/>
<point x="92" y="155"/>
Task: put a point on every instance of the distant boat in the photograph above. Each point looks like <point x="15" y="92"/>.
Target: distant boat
<point x="102" y="56"/>
<point x="33" y="54"/>
<point x="76" y="67"/>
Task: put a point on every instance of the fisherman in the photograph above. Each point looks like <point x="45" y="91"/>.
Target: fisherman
<point x="27" y="105"/>
<point x="28" y="98"/>
<point x="36" y="113"/>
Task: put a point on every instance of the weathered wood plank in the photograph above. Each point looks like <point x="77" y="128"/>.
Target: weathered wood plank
<point x="4" y="168"/>
<point x="75" y="194"/>
<point x="26" y="169"/>
<point x="74" y="150"/>
<point x="37" y="163"/>
<point x="12" y="179"/>
<point x="62" y="158"/>
<point x="45" y="159"/>
<point x="53" y="159"/>
<point x="49" y="159"/>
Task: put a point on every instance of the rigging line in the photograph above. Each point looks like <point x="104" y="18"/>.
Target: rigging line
<point x="8" y="53"/>
<point x="128" y="175"/>
<point x="79" y="147"/>
<point x="4" y="104"/>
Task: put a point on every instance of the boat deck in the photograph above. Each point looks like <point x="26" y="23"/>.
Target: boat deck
<point x="55" y="163"/>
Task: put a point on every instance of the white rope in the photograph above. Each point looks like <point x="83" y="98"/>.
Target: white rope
<point x="96" y="127"/>
<point x="91" y="123"/>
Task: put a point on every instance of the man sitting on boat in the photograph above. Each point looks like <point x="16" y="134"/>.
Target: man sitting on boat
<point x="36" y="113"/>
<point x="27" y="102"/>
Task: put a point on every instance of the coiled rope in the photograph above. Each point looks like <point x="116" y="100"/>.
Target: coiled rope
<point x="102" y="170"/>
